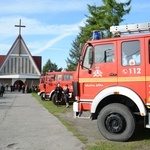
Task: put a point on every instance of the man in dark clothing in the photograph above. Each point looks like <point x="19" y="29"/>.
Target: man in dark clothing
<point x="12" y="88"/>
<point x="58" y="91"/>
<point x="2" y="89"/>
<point x="66" y="95"/>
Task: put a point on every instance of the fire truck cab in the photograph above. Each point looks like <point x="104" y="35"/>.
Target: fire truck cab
<point x="113" y="81"/>
<point x="49" y="81"/>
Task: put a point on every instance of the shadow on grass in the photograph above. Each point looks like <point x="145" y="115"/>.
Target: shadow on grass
<point x="141" y="133"/>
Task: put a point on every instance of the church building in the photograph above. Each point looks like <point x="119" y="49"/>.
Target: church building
<point x="19" y="67"/>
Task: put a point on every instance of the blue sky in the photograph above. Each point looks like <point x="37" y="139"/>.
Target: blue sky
<point x="52" y="26"/>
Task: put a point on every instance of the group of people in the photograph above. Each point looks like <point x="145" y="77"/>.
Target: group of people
<point x="59" y="91"/>
<point x="17" y="87"/>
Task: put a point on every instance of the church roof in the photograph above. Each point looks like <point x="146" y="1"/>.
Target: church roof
<point x="2" y="58"/>
<point x="19" y="48"/>
<point x="38" y="61"/>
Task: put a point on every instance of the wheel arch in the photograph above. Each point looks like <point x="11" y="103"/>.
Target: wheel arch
<point x="118" y="91"/>
<point x="51" y="94"/>
<point x="41" y="92"/>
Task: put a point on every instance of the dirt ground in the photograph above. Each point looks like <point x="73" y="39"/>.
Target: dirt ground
<point x="86" y="127"/>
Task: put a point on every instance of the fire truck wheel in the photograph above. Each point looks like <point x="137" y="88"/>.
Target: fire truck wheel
<point x="42" y="97"/>
<point x="116" y="122"/>
<point x="62" y="101"/>
<point x="54" y="99"/>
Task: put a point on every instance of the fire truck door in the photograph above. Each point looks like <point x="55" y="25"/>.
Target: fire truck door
<point x="98" y="69"/>
<point x="147" y="58"/>
<point x="131" y="65"/>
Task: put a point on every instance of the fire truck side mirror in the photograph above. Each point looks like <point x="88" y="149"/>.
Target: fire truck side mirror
<point x="89" y="71"/>
<point x="81" y="58"/>
<point x="80" y="48"/>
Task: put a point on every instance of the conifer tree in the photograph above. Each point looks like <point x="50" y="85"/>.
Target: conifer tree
<point x="74" y="55"/>
<point x="101" y="18"/>
<point x="49" y="66"/>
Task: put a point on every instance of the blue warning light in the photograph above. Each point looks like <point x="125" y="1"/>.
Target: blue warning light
<point x="96" y="35"/>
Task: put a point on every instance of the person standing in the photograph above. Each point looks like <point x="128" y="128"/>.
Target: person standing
<point x="58" y="91"/>
<point x="23" y="88"/>
<point x="11" y="88"/>
<point x="2" y="89"/>
<point x="66" y="95"/>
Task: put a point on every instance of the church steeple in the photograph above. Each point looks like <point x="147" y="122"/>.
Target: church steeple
<point x="20" y="26"/>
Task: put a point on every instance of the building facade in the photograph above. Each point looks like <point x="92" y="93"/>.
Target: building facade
<point x="19" y="67"/>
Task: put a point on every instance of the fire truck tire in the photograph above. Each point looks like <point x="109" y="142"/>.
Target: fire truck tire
<point x="54" y="99"/>
<point x="62" y="101"/>
<point x="42" y="96"/>
<point x="116" y="122"/>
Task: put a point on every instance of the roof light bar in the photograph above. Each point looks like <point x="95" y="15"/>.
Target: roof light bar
<point x="131" y="28"/>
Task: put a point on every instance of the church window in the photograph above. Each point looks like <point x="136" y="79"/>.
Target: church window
<point x="32" y="69"/>
<point x="8" y="66"/>
<point x="4" y="69"/>
<point x="26" y="65"/>
<point x="22" y="65"/>
<point x="11" y="65"/>
<point x="18" y="65"/>
<point x="29" y="67"/>
<point x="15" y="65"/>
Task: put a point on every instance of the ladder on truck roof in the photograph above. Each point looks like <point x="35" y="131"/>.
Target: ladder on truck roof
<point x="131" y="28"/>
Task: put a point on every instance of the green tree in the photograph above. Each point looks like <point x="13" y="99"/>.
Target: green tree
<point x="101" y="18"/>
<point x="74" y="55"/>
<point x="109" y="14"/>
<point x="50" y="66"/>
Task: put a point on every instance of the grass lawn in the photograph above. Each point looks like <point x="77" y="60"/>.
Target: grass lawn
<point x="140" y="140"/>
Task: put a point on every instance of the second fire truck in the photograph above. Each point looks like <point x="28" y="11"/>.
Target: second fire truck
<point x="49" y="81"/>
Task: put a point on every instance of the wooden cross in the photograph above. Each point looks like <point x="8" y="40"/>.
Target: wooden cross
<point x="20" y="26"/>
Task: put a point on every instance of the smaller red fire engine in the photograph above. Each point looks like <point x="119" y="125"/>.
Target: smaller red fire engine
<point x="49" y="81"/>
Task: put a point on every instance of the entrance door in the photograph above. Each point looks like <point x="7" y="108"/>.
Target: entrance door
<point x="18" y="85"/>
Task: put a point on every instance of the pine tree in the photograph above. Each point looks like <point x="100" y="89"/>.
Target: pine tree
<point x="101" y="18"/>
<point x="74" y="55"/>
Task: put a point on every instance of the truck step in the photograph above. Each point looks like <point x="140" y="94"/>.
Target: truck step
<point x="82" y="117"/>
<point x="85" y="115"/>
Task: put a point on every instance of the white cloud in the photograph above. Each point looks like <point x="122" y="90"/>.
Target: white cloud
<point x="42" y="6"/>
<point x="34" y="27"/>
<point x="50" y="43"/>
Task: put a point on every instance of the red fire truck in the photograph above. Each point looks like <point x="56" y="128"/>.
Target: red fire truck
<point x="113" y="81"/>
<point x="49" y="81"/>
